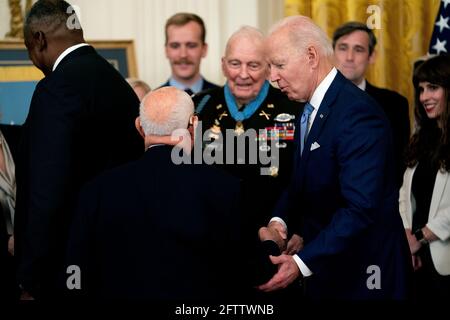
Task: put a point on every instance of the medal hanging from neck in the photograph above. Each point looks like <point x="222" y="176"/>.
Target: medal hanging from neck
<point x="248" y="110"/>
<point x="239" y="128"/>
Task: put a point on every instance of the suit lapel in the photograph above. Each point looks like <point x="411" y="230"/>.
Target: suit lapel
<point x="439" y="186"/>
<point x="322" y="114"/>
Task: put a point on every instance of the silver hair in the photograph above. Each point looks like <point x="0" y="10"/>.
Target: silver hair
<point x="178" y="116"/>
<point x="303" y="33"/>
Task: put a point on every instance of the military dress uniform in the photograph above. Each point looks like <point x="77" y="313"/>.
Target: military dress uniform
<point x="273" y="124"/>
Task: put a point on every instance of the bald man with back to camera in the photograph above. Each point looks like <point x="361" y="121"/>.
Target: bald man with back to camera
<point x="175" y="243"/>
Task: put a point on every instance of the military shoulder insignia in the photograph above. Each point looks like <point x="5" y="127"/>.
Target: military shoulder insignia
<point x="270" y="106"/>
<point x="284" y="117"/>
<point x="223" y="114"/>
<point x="264" y="114"/>
<point x="219" y="106"/>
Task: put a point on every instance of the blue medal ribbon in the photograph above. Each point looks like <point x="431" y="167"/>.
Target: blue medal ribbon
<point x="250" y="108"/>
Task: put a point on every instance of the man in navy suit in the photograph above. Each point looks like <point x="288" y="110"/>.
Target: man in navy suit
<point x="185" y="49"/>
<point x="354" y="50"/>
<point x="80" y="123"/>
<point x="343" y="198"/>
<point x="153" y="229"/>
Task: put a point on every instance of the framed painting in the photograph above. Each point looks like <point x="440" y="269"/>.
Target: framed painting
<point x="18" y="75"/>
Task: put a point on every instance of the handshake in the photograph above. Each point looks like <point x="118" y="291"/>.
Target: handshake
<point x="277" y="233"/>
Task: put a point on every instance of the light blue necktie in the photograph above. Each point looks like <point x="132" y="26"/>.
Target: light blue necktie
<point x="304" y="124"/>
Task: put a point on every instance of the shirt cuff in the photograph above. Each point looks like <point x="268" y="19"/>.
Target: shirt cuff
<point x="278" y="219"/>
<point x="302" y="266"/>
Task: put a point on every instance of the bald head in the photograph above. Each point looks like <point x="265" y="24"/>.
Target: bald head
<point x="248" y="34"/>
<point x="165" y="110"/>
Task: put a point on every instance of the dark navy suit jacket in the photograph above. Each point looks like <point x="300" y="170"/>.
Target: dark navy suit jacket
<point x="343" y="200"/>
<point x="155" y="230"/>
<point x="397" y="111"/>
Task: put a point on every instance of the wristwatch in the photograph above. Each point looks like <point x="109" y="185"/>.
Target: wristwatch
<point x="419" y="236"/>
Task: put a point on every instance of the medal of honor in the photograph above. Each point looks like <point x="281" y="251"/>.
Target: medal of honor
<point x="239" y="129"/>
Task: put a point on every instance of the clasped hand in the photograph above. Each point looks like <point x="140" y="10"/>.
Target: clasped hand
<point x="276" y="232"/>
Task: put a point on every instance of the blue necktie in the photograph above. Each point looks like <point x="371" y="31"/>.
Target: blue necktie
<point x="304" y="125"/>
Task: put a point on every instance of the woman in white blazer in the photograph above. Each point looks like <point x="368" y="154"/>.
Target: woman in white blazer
<point x="425" y="194"/>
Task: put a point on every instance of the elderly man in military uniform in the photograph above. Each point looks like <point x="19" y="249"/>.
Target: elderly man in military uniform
<point x="248" y="114"/>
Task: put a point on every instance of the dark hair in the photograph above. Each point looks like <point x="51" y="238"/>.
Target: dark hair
<point x="183" y="18"/>
<point x="430" y="141"/>
<point x="50" y="14"/>
<point x="353" y="26"/>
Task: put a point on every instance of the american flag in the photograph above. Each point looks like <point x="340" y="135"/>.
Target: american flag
<point x="440" y="40"/>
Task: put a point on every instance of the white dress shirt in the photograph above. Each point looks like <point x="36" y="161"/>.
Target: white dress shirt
<point x="66" y="52"/>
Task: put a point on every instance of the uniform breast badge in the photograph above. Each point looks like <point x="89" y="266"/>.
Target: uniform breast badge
<point x="239" y="128"/>
<point x="284" y="117"/>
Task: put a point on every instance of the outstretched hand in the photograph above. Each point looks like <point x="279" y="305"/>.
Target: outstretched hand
<point x="288" y="271"/>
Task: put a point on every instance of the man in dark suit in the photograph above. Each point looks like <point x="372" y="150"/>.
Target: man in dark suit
<point x="354" y="45"/>
<point x="154" y="229"/>
<point x="342" y="199"/>
<point x="80" y="123"/>
<point x="185" y="48"/>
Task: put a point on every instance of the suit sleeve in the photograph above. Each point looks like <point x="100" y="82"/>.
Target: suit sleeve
<point x="361" y="152"/>
<point x="440" y="223"/>
<point x="49" y="183"/>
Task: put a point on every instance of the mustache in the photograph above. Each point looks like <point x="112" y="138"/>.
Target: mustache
<point x="183" y="61"/>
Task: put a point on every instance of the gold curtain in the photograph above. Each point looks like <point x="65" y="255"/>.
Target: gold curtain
<point x="404" y="36"/>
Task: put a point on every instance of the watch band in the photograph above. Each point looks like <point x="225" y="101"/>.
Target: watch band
<point x="419" y="236"/>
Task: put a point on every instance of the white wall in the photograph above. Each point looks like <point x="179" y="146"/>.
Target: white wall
<point x="143" y="21"/>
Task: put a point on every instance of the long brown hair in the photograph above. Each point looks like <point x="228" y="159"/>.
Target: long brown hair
<point x="431" y="141"/>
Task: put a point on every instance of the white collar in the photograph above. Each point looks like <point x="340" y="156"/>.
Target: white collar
<point x="322" y="88"/>
<point x="362" y="85"/>
<point x="66" y="52"/>
<point x="155" y="145"/>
